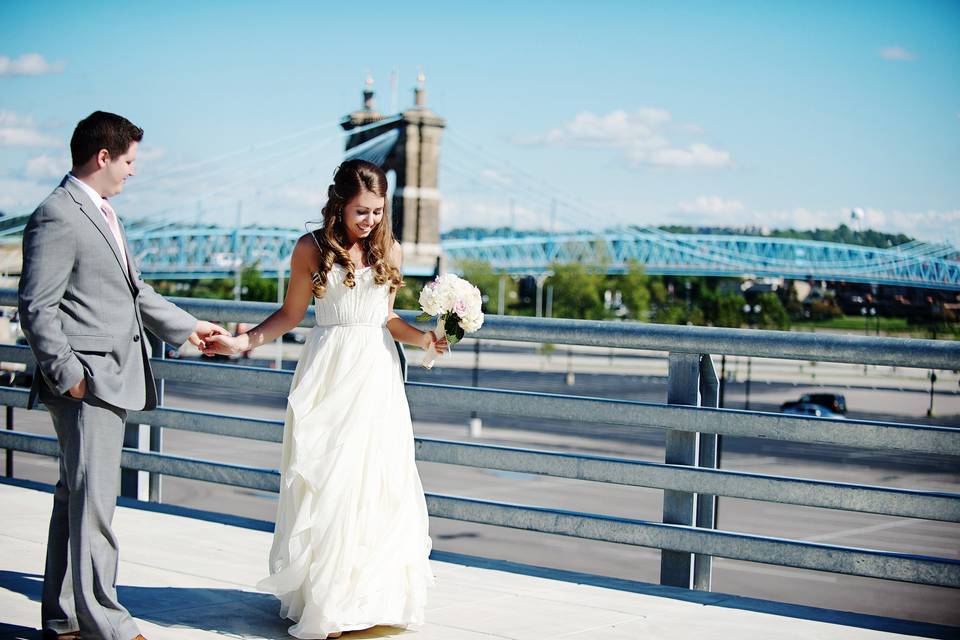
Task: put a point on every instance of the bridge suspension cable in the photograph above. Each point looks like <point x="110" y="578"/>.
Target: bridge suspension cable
<point x="694" y="244"/>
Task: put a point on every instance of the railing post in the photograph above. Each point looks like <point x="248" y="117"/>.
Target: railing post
<point x="679" y="507"/>
<point x="709" y="458"/>
<point x="136" y="484"/>
<point x="10" y="451"/>
<point x="403" y="360"/>
<point x="156" y="432"/>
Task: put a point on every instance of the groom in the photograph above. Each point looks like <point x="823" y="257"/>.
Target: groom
<point x="83" y="309"/>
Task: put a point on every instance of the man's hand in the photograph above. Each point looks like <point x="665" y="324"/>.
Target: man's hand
<point x="204" y="330"/>
<point x="79" y="390"/>
<point x="226" y="345"/>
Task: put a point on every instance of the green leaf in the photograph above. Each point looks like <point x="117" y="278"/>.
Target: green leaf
<point x="423" y="317"/>
<point x="451" y="324"/>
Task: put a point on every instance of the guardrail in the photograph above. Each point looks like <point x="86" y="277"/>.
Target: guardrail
<point x="688" y="476"/>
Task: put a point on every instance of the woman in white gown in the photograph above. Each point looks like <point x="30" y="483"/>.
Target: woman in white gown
<point x="351" y="545"/>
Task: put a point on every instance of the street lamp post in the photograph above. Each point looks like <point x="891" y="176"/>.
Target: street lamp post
<point x="866" y="313"/>
<point x="752" y="313"/>
<point x="933" y="381"/>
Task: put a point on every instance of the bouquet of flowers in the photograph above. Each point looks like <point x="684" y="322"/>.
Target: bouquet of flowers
<point x="456" y="304"/>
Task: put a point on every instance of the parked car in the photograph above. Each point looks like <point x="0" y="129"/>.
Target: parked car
<point x="808" y="409"/>
<point x="835" y="402"/>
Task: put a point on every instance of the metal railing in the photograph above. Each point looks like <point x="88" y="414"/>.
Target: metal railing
<point x="688" y="476"/>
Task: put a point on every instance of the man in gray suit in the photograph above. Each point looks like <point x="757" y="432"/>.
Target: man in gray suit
<point x="84" y="308"/>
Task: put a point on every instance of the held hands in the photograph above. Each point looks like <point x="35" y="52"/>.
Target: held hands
<point x="226" y="345"/>
<point x="205" y="331"/>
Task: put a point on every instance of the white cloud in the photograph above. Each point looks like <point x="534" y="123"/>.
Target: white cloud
<point x="13" y="119"/>
<point x="45" y="166"/>
<point x="20" y="131"/>
<point x="497" y="177"/>
<point x="696" y="155"/>
<point x="897" y="53"/>
<point x="20" y="137"/>
<point x="472" y="212"/>
<point x="643" y="136"/>
<point x="29" y="64"/>
<point x="19" y="196"/>
<point x="613" y="129"/>
<point x="300" y="197"/>
<point x="711" y="204"/>
<point x="150" y="153"/>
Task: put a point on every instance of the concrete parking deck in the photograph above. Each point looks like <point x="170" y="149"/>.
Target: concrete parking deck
<point x="187" y="575"/>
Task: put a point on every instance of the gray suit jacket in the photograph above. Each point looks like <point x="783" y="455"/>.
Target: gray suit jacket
<point x="83" y="311"/>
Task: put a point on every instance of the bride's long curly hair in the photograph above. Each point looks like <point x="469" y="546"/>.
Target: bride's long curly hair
<point x="349" y="180"/>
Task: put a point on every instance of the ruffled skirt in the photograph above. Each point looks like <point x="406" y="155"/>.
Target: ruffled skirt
<point x="351" y="544"/>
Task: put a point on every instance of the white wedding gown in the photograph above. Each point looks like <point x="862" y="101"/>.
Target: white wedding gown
<point x="351" y="545"/>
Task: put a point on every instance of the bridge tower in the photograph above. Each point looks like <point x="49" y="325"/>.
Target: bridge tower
<point x="408" y="144"/>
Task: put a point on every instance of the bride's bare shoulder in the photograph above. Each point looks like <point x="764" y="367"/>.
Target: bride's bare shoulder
<point x="306" y="252"/>
<point x="307" y="241"/>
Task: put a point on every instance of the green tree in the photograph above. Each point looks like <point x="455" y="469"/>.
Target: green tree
<point x="634" y="289"/>
<point x="408" y="296"/>
<point x="729" y="310"/>
<point x="773" y="315"/>
<point x="482" y="275"/>
<point x="255" y="286"/>
<point x="577" y="292"/>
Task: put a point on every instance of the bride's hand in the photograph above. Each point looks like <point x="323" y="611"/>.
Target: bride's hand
<point x="441" y="346"/>
<point x="222" y="345"/>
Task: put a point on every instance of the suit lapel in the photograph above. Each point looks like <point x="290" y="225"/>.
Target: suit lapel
<point x="131" y="270"/>
<point x="96" y="217"/>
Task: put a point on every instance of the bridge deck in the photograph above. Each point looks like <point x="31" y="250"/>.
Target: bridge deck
<point x="190" y="575"/>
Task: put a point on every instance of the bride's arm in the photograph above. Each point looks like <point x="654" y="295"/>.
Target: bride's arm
<point x="401" y="330"/>
<point x="295" y="304"/>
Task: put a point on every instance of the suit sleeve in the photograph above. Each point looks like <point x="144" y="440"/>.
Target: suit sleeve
<point x="49" y="252"/>
<point x="163" y="318"/>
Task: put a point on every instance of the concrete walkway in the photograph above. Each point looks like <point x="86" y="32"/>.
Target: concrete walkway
<point x="189" y="575"/>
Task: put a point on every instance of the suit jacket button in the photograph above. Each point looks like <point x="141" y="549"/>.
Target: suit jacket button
<point x="136" y="338"/>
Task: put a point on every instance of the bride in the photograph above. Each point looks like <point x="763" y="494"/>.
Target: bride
<point x="351" y="546"/>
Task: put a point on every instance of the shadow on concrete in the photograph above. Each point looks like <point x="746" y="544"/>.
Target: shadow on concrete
<point x="226" y="611"/>
<point x="16" y="632"/>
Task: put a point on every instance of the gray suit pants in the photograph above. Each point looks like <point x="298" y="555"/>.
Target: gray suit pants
<point x="80" y="580"/>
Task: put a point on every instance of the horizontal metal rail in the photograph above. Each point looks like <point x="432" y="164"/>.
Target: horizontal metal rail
<point x="904" y="567"/>
<point x="775" y="426"/>
<point x="753" y="548"/>
<point x="732" y="422"/>
<point x="812" y="493"/>
<point x="901" y="352"/>
<point x="183" y="419"/>
<point x="166" y="464"/>
<point x="929" y="505"/>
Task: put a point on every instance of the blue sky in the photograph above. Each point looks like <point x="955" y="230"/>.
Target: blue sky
<point x="740" y="113"/>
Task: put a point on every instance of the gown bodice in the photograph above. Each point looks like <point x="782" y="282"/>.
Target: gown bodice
<point x="363" y="305"/>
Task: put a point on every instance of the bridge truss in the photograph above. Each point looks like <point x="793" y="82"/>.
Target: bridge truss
<point x="188" y="252"/>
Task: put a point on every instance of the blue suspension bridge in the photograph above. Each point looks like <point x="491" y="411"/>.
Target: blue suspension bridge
<point x="407" y="145"/>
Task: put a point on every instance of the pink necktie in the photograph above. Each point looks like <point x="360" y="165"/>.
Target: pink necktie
<point x="114" y="225"/>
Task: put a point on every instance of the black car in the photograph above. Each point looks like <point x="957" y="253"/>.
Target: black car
<point x="833" y="402"/>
